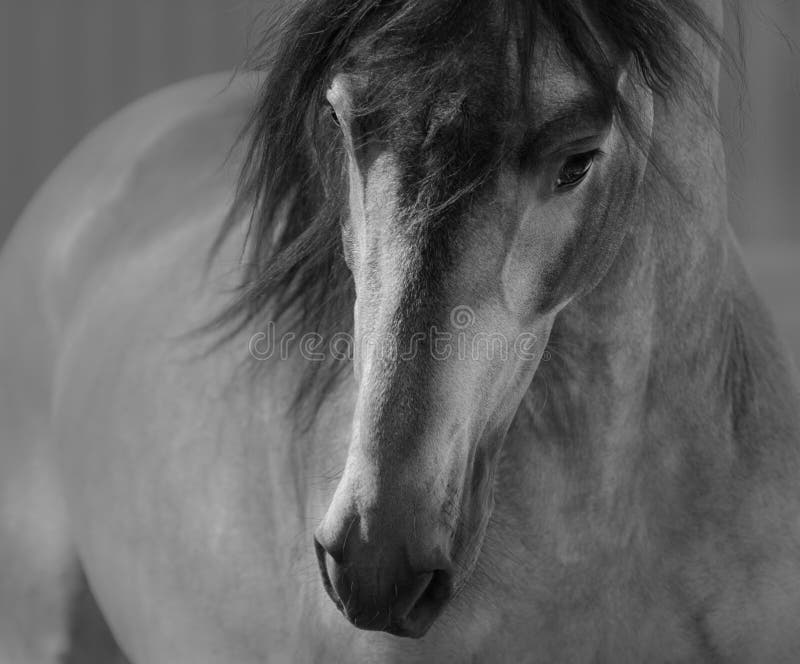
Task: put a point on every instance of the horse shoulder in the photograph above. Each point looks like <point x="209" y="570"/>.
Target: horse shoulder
<point x="36" y="557"/>
<point x="79" y="224"/>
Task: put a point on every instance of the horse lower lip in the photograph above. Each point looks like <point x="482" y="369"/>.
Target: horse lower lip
<point x="405" y="628"/>
<point x="396" y="629"/>
<point x="427" y="609"/>
<point x="414" y="625"/>
<point x="417" y="623"/>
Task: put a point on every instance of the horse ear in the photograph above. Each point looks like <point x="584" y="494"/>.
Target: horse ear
<point x="338" y="96"/>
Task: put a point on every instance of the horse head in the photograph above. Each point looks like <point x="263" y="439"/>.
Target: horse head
<point x="490" y="180"/>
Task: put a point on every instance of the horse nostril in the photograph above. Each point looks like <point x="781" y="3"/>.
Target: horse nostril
<point x="324" y="559"/>
<point x="440" y="588"/>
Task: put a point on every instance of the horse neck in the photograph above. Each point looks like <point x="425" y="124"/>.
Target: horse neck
<point x="666" y="380"/>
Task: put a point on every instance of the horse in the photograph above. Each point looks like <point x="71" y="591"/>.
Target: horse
<point x="426" y="341"/>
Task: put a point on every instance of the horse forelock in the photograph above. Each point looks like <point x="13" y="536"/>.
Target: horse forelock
<point x="421" y="64"/>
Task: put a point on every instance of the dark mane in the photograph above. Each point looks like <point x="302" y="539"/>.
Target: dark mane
<point x="291" y="181"/>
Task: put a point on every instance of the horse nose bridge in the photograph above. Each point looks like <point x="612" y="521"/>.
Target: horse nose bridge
<point x="399" y="491"/>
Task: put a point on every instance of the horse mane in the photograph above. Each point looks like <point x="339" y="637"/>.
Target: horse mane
<point x="291" y="181"/>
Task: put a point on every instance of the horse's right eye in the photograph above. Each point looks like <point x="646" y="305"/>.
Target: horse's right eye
<point x="333" y="116"/>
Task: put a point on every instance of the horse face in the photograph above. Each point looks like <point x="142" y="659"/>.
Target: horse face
<point x="451" y="319"/>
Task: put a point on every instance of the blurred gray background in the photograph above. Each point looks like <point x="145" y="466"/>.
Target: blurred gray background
<point x="68" y="64"/>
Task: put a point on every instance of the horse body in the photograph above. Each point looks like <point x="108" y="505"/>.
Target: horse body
<point x="645" y="500"/>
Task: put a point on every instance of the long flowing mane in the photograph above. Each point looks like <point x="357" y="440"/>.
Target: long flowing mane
<point x="292" y="179"/>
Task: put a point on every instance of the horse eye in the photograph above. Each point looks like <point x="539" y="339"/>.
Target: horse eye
<point x="332" y="113"/>
<point x="575" y="169"/>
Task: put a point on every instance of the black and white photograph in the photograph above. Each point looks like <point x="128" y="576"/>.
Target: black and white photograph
<point x="400" y="332"/>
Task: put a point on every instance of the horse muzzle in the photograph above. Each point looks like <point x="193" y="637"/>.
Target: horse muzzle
<point x="380" y="583"/>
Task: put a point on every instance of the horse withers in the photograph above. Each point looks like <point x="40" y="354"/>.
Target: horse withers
<point x="453" y="358"/>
